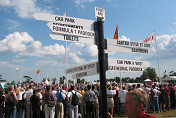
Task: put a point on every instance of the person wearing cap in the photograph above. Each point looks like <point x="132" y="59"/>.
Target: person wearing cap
<point x="136" y="103"/>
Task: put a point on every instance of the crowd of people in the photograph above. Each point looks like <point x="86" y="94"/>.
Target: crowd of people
<point x="83" y="100"/>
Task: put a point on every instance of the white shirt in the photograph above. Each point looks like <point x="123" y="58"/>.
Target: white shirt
<point x="28" y="94"/>
<point x="122" y="95"/>
<point x="111" y="92"/>
<point x="70" y="94"/>
<point x="19" y="96"/>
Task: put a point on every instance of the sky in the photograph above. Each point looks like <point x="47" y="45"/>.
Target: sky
<point x="25" y="42"/>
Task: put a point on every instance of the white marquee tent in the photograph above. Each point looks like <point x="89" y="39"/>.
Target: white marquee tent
<point x="169" y="78"/>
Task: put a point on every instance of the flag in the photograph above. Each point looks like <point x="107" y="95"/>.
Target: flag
<point x="116" y="33"/>
<point x="38" y="71"/>
<point x="17" y="69"/>
<point x="150" y="37"/>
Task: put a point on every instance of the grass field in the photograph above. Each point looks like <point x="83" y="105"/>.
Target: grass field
<point x="168" y="114"/>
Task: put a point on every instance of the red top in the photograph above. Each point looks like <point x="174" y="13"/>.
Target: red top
<point x="144" y="115"/>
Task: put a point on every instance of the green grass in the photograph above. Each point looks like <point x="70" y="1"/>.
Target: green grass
<point x="168" y="114"/>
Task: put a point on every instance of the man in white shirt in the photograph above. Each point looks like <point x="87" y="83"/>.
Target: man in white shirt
<point x="122" y="96"/>
<point x="27" y="96"/>
<point x="73" y="109"/>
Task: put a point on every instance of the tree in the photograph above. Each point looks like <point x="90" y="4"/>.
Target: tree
<point x="54" y="80"/>
<point x="0" y="76"/>
<point x="148" y="73"/>
<point x="61" y="81"/>
<point x="117" y="79"/>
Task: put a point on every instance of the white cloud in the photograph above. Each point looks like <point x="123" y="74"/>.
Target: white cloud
<point x="75" y="58"/>
<point x="12" y="24"/>
<point x="47" y="62"/>
<point x="166" y="45"/>
<point x="24" y="45"/>
<point x="15" y="42"/>
<point x="82" y="3"/>
<point x="124" y="38"/>
<point x="24" y="8"/>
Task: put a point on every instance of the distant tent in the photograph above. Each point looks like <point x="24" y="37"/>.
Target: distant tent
<point x="1" y="86"/>
<point x="170" y="78"/>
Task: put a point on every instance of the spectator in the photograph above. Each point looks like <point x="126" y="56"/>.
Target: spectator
<point x="136" y="103"/>
<point x="73" y="109"/>
<point x="35" y="102"/>
<point x="49" y="96"/>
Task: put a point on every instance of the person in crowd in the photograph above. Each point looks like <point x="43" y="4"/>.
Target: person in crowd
<point x="139" y="86"/>
<point x="94" y="89"/>
<point x="110" y="100"/>
<point x="59" y="111"/>
<point x="162" y="99"/>
<point x="27" y="96"/>
<point x="166" y="96"/>
<point x="2" y="97"/>
<point x="136" y="103"/>
<point x="49" y="102"/>
<point x="89" y="98"/>
<point x="172" y="96"/>
<point x="74" y="101"/>
<point x="122" y="96"/>
<point x="155" y="100"/>
<point x="82" y="102"/>
<point x="10" y="102"/>
<point x="19" y="93"/>
<point x="35" y="102"/>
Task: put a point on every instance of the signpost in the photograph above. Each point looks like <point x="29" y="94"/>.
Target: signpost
<point x="87" y="31"/>
<point x="100" y="13"/>
<point x="127" y="46"/>
<point x="130" y="63"/>
<point x="68" y="30"/>
<point x="71" y="38"/>
<point x="84" y="24"/>
<point x="86" y="73"/>
<point x="92" y="65"/>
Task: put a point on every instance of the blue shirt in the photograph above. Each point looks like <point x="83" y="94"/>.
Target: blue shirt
<point x="59" y="96"/>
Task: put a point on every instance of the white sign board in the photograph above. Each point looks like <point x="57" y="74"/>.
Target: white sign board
<point x="99" y="13"/>
<point x="73" y="39"/>
<point x="113" y="48"/>
<point x="84" y="24"/>
<point x="130" y="63"/>
<point x="124" y="68"/>
<point x="127" y="46"/>
<point x="81" y="68"/>
<point x="85" y="73"/>
<point x="65" y="29"/>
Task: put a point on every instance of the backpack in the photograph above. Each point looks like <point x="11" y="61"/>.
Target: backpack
<point x="75" y="99"/>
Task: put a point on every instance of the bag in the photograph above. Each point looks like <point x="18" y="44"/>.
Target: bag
<point x="75" y="99"/>
<point x="11" y="102"/>
<point x="51" y="102"/>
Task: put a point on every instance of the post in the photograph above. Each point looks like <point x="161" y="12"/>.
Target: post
<point x="102" y="66"/>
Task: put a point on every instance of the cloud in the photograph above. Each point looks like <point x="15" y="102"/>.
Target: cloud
<point x="23" y="8"/>
<point x="84" y="51"/>
<point x="82" y="3"/>
<point x="124" y="38"/>
<point x="12" y="24"/>
<point x="166" y="45"/>
<point x="25" y="46"/>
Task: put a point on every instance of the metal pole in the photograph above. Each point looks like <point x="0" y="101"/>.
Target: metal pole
<point x="157" y="59"/>
<point x="102" y="66"/>
<point x="66" y="63"/>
